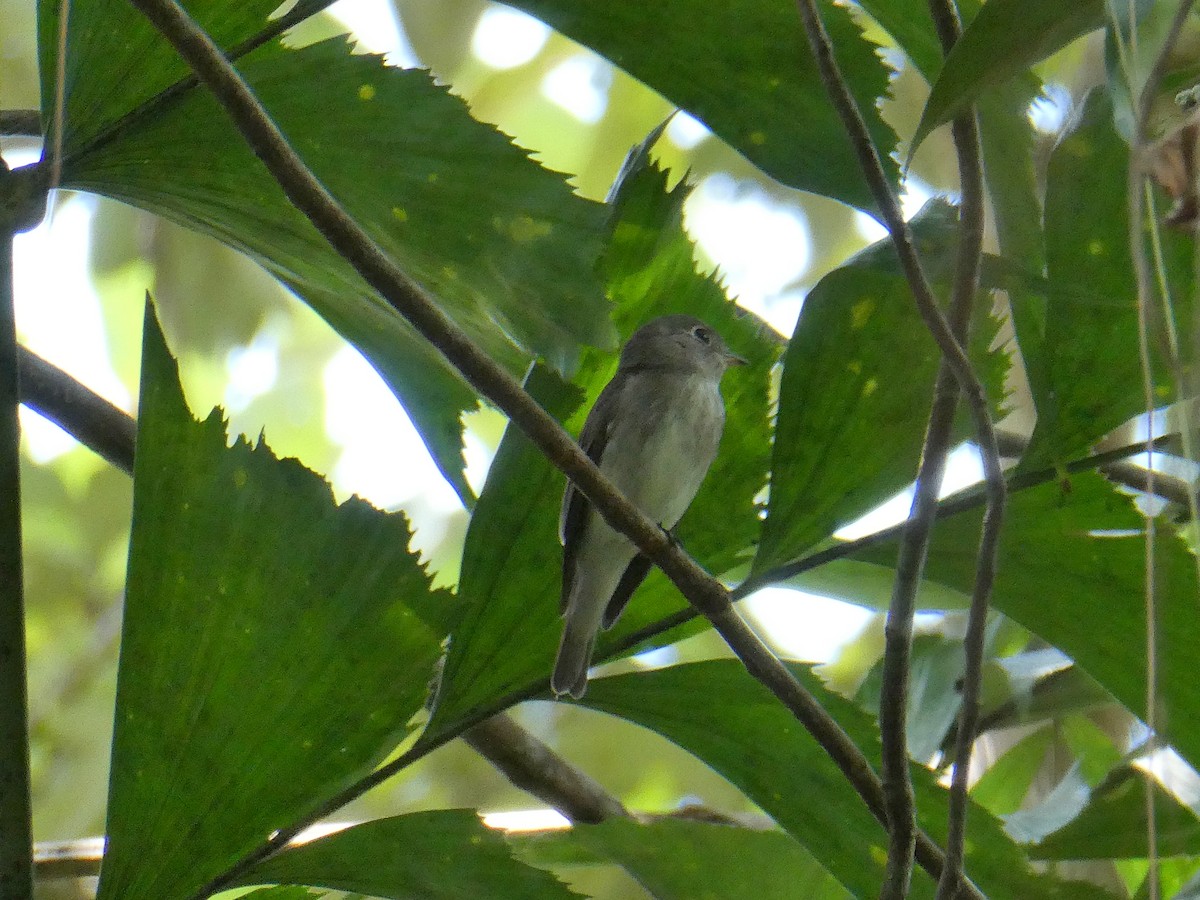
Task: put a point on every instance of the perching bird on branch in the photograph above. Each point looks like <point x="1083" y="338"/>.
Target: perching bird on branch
<point x="654" y="433"/>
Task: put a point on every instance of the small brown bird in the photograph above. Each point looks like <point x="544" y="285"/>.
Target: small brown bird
<point x="653" y="432"/>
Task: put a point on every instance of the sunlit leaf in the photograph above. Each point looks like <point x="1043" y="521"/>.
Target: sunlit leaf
<point x="272" y="652"/>
<point x="744" y="69"/>
<point x="1004" y="39"/>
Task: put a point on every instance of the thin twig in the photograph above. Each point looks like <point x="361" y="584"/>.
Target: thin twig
<point x="77" y="409"/>
<point x="16" y="841"/>
<point x="20" y="122"/>
<point x="1135" y="192"/>
<point x="895" y="758"/>
<point x="533" y="767"/>
<point x="965" y="132"/>
<point x="493" y="382"/>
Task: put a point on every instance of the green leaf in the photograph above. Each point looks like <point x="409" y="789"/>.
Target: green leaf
<point x="719" y="713"/>
<point x="1003" y="40"/>
<point x="512" y="559"/>
<point x="289" y="892"/>
<point x="272" y="650"/>
<point x="1072" y="570"/>
<point x="442" y="854"/>
<point x="1113" y="824"/>
<point x="854" y="399"/>
<point x="745" y="70"/>
<point x="504" y="245"/>
<point x="1004" y="785"/>
<point x="677" y="859"/>
<point x="1087" y="353"/>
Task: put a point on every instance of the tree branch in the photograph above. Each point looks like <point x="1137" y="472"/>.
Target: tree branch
<point x="77" y="409"/>
<point x="20" y="122"/>
<point x="535" y="768"/>
<point x="16" y="840"/>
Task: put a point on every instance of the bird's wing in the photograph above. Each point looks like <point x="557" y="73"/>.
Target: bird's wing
<point x="596" y="432"/>
<point x="635" y="574"/>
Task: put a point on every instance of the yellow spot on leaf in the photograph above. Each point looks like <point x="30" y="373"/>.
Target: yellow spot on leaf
<point x="432" y="177"/>
<point x="239" y="478"/>
<point x="526" y="228"/>
<point x="758" y="138"/>
<point x="1096" y="247"/>
<point x="855" y="367"/>
<point x="870" y="387"/>
<point x="399" y="214"/>
<point x="366" y="92"/>
<point x="860" y="314"/>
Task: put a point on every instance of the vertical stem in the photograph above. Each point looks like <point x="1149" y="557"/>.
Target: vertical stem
<point x="16" y="842"/>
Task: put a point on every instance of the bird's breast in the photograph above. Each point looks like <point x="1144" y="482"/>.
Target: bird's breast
<point x="663" y="444"/>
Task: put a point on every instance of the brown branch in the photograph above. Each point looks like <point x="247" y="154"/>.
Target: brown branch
<point x="77" y="409"/>
<point x="901" y="817"/>
<point x="965" y="133"/>
<point x="536" y="769"/>
<point x="20" y="122"/>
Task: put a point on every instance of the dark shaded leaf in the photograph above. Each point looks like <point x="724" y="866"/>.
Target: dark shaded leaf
<point x="1081" y="348"/>
<point x="719" y="713"/>
<point x="857" y="381"/>
<point x="504" y="245"/>
<point x="745" y="70"/>
<point x="438" y="855"/>
<point x="270" y="656"/>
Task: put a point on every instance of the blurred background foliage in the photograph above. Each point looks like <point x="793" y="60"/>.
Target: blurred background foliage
<point x="278" y="369"/>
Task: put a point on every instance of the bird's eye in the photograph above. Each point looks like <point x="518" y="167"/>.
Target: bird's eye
<point x="703" y="335"/>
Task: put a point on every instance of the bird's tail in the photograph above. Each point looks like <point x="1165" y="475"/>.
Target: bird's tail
<point x="574" y="657"/>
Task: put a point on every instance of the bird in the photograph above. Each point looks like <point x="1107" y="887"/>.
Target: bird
<point x="653" y="432"/>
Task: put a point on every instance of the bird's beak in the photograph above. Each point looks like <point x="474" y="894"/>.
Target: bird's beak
<point x="732" y="359"/>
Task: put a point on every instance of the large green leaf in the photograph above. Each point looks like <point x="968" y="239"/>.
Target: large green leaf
<point x="1083" y="345"/>
<point x="1072" y="571"/>
<point x="438" y="855"/>
<point x="512" y="560"/>
<point x="857" y="382"/>
<point x="271" y="654"/>
<point x="1004" y="39"/>
<point x="680" y="859"/>
<point x="723" y="716"/>
<point x="745" y="70"/>
<point x="505" y="246"/>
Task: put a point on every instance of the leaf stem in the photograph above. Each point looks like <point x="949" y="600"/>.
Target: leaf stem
<point x="16" y="841"/>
